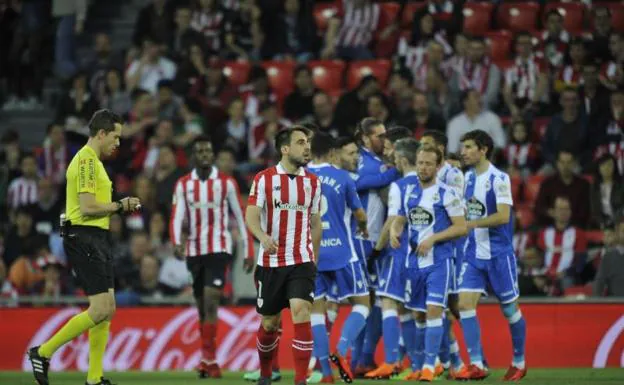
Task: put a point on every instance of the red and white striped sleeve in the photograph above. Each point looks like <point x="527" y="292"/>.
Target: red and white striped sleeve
<point x="233" y="198"/>
<point x="178" y="213"/>
<point x="257" y="195"/>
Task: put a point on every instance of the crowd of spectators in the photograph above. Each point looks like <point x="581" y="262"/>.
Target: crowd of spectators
<point x="241" y="70"/>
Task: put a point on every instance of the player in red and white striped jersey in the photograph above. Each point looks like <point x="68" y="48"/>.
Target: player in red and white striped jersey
<point x="284" y="215"/>
<point x="23" y="190"/>
<point x="202" y="203"/>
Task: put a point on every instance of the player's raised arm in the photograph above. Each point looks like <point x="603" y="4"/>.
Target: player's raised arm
<point x="502" y="192"/>
<point x="377" y="180"/>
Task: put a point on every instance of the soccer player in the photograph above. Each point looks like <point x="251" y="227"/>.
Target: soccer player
<point x="372" y="176"/>
<point x="391" y="282"/>
<point x="87" y="244"/>
<point x="489" y="258"/>
<point x="283" y="213"/>
<point x="453" y="177"/>
<point x="340" y="273"/>
<point x="434" y="215"/>
<point x="202" y="202"/>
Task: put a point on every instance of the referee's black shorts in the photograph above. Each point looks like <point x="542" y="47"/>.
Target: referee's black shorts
<point x="276" y="286"/>
<point x="89" y="252"/>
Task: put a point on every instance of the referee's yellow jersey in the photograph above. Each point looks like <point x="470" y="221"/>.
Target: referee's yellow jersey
<point x="86" y="174"/>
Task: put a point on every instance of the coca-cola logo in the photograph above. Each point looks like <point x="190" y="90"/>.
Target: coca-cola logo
<point x="173" y="346"/>
<point x="607" y="343"/>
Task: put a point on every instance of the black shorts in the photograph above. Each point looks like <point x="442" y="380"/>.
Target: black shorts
<point x="89" y="253"/>
<point x="277" y="285"/>
<point x="208" y="271"/>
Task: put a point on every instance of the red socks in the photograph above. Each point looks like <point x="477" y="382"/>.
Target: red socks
<point x="209" y="341"/>
<point x="276" y="366"/>
<point x="267" y="343"/>
<point x="302" y="346"/>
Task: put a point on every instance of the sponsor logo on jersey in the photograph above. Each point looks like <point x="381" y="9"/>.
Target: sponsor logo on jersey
<point x="420" y="217"/>
<point x="475" y="208"/>
<point x="279" y="205"/>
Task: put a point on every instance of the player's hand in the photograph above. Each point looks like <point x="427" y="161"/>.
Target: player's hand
<point x="269" y="244"/>
<point x="424" y="247"/>
<point x="395" y="239"/>
<point x="248" y="265"/>
<point x="179" y="251"/>
<point x="362" y="231"/>
<point x="130" y="204"/>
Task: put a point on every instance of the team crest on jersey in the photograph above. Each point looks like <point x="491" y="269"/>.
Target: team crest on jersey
<point x="420" y="217"/>
<point x="488" y="185"/>
<point x="475" y="208"/>
<point x="383" y="168"/>
<point x="436" y="198"/>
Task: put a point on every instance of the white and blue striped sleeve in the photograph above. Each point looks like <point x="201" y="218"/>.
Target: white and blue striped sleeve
<point x="394" y="200"/>
<point x="453" y="204"/>
<point x="502" y="190"/>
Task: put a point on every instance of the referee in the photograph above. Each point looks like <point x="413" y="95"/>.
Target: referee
<point x="88" y="246"/>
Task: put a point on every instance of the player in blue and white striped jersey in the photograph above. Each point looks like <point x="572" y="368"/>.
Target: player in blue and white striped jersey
<point x="434" y="215"/>
<point x="489" y="259"/>
<point x="340" y="274"/>
<point x="453" y="177"/>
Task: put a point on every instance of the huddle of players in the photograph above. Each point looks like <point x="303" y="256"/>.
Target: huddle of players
<point x="444" y="239"/>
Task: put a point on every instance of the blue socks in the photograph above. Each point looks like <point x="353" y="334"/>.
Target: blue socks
<point x="472" y="334"/>
<point x="391" y="335"/>
<point x="373" y="334"/>
<point x="408" y="329"/>
<point x="433" y="337"/>
<point x="444" y="344"/>
<point x="454" y="356"/>
<point x="321" y="343"/>
<point x="517" y="327"/>
<point x="352" y="328"/>
<point x="419" y="351"/>
<point x="356" y="349"/>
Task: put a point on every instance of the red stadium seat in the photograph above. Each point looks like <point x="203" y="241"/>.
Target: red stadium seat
<point x="408" y="13"/>
<point x="280" y="75"/>
<point x="516" y="188"/>
<point x="595" y="237"/>
<point x="573" y="15"/>
<point x="518" y="16"/>
<point x="390" y="9"/>
<point x="525" y="216"/>
<point x="237" y="72"/>
<point x="539" y="128"/>
<point x="500" y="44"/>
<point x="477" y="17"/>
<point x="358" y="69"/>
<point x="322" y="13"/>
<point x="335" y="95"/>
<point x="328" y="74"/>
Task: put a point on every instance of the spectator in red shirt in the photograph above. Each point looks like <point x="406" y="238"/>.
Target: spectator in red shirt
<point x="564" y="184"/>
<point x="564" y="245"/>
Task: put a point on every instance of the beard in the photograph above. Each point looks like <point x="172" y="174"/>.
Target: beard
<point x="300" y="161"/>
<point x="425" y="179"/>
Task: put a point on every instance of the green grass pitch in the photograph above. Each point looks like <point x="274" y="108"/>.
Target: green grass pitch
<point x="613" y="376"/>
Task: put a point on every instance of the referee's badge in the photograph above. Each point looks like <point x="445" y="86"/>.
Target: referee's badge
<point x="260" y="302"/>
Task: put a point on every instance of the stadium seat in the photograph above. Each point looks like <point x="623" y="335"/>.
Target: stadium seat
<point x="280" y="75"/>
<point x="525" y="216"/>
<point x="358" y="69"/>
<point x="390" y="9"/>
<point x="516" y="188"/>
<point x="237" y="72"/>
<point x="328" y="74"/>
<point x="594" y="237"/>
<point x="322" y="13"/>
<point x="573" y="15"/>
<point x="579" y="291"/>
<point x="477" y="17"/>
<point x="532" y="187"/>
<point x="408" y="13"/>
<point x="500" y="44"/>
<point x="518" y="16"/>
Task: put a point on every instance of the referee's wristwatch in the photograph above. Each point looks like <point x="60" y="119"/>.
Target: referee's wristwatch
<point x="119" y="207"/>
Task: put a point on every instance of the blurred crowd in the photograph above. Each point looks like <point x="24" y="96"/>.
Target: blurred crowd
<point x="547" y="87"/>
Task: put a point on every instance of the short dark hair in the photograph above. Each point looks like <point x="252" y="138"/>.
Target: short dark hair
<point x="482" y="139"/>
<point x="103" y="120"/>
<point x="365" y="127"/>
<point x="137" y="93"/>
<point x="453" y="156"/>
<point x="282" y="138"/>
<point x="398" y="132"/>
<point x="366" y="80"/>
<point x="10" y="136"/>
<point x="301" y="67"/>
<point x="322" y="144"/>
<point x="53" y="124"/>
<point x="407" y="148"/>
<point x="201" y="139"/>
<point x="433" y="150"/>
<point x="438" y="137"/>
<point x="553" y="11"/>
<point x="344" y="141"/>
<point x="565" y="151"/>
<point x="165" y="83"/>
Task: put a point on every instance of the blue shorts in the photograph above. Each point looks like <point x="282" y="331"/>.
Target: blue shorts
<point x="336" y="285"/>
<point x="363" y="249"/>
<point x="428" y="286"/>
<point x="499" y="274"/>
<point x="391" y="283"/>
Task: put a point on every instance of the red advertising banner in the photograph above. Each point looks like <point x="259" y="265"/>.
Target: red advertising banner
<point x="167" y="338"/>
